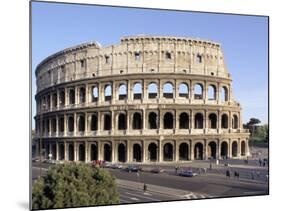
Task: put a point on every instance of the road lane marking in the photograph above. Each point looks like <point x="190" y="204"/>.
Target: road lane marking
<point x="141" y="196"/>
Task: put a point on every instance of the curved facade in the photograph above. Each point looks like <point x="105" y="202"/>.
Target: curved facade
<point x="147" y="99"/>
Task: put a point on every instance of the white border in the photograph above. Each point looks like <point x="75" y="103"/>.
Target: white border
<point x="14" y="181"/>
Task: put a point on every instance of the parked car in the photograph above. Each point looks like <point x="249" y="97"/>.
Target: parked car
<point x="187" y="173"/>
<point x="132" y="168"/>
<point x="106" y="165"/>
<point x="157" y="170"/>
<point x="116" y="166"/>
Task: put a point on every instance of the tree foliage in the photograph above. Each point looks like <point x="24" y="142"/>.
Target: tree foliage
<point x="74" y="185"/>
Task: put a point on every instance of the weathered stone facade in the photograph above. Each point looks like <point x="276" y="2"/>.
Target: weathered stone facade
<point x="147" y="99"/>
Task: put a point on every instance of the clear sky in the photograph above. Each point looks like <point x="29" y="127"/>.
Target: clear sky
<point x="244" y="40"/>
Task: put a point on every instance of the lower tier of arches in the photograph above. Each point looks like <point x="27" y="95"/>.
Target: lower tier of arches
<point x="144" y="151"/>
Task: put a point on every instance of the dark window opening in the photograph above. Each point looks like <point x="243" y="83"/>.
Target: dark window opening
<point x="168" y="121"/>
<point x="107" y="122"/>
<point x="168" y="152"/>
<point x="137" y="121"/>
<point x="184" y="121"/>
<point x="152" y="120"/>
<point x="122" y="122"/>
<point x="198" y="121"/>
<point x="94" y="123"/>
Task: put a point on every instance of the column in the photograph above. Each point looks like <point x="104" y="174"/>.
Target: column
<point x="175" y="123"/>
<point x="57" y="150"/>
<point x="65" y="151"/>
<point x="176" y="151"/>
<point x="113" y="90"/>
<point x="128" y="151"/>
<point x="144" y="151"/>
<point x="51" y="102"/>
<point x="113" y="151"/>
<point x="86" y="94"/>
<point x="191" y="150"/>
<point x="160" y="119"/>
<point x="76" y="90"/>
<point x="86" y="152"/>
<point x="58" y="99"/>
<point x="100" y="93"/>
<point x="144" y="90"/>
<point x="218" y="149"/>
<point x="99" y="145"/>
<point x="218" y="93"/>
<point x="65" y="125"/>
<point x="229" y="149"/>
<point x="205" y="121"/>
<point x="191" y="120"/>
<point x="57" y="126"/>
<point x="75" y="123"/>
<point x="75" y="151"/>
<point x="86" y="123"/>
<point x="144" y="119"/>
<point x="128" y="117"/>
<point x="160" y="158"/>
<point x="112" y="121"/>
<point x="99" y="115"/>
<point x="205" y="150"/>
<point x="239" y="148"/>
<point x="66" y="98"/>
<point x="205" y="91"/>
<point x="129" y="91"/>
<point x="160" y="89"/>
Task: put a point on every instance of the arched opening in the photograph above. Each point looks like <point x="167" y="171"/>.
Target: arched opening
<point x="213" y="121"/>
<point x="152" y="152"/>
<point x="224" y="150"/>
<point x="235" y="122"/>
<point x="137" y="153"/>
<point x="95" y="94"/>
<point x="212" y="150"/>
<point x="61" y="124"/>
<point x="54" y="151"/>
<point x="121" y="153"/>
<point x="152" y="91"/>
<point x="81" y="152"/>
<point x="152" y="120"/>
<point x="107" y="92"/>
<point x="71" y="96"/>
<point x="54" y="125"/>
<point x="168" y="90"/>
<point x="61" y="98"/>
<point x="243" y="148"/>
<point x="61" y="151"/>
<point x="183" y="151"/>
<point x="183" y="90"/>
<point x="184" y="121"/>
<point x="137" y="90"/>
<point x="137" y="121"/>
<point x="81" y="124"/>
<point x="198" y="151"/>
<point x="168" y="121"/>
<point x="107" y="122"/>
<point x="94" y="122"/>
<point x="168" y="152"/>
<point x="212" y="92"/>
<point x="198" y="91"/>
<point x="224" y="121"/>
<point x="107" y="152"/>
<point x="198" y="121"/>
<point x="70" y="152"/>
<point x="94" y="152"/>
<point x="70" y="124"/>
<point x="82" y="95"/>
<point x="234" y="149"/>
<point x="55" y="100"/>
<point x="224" y="94"/>
<point x="122" y="122"/>
<point x="122" y="92"/>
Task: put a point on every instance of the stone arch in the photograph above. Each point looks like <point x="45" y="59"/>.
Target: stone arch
<point x="212" y="150"/>
<point x="61" y="98"/>
<point x="137" y="90"/>
<point x="152" y="90"/>
<point x="212" y="121"/>
<point x="70" y="124"/>
<point x="122" y="91"/>
<point x="235" y="122"/>
<point x="94" y="152"/>
<point x="224" y="94"/>
<point x="198" y="151"/>
<point x="224" y="121"/>
<point x="61" y="151"/>
<point x="234" y="148"/>
<point x="198" y="121"/>
<point x="183" y="90"/>
<point x="107" y="151"/>
<point x="168" y="90"/>
<point x="81" y="123"/>
<point x="107" y="121"/>
<point x="243" y="148"/>
<point x="137" y="152"/>
<point x="168" y="120"/>
<point x="152" y="152"/>
<point x="198" y="91"/>
<point x="95" y="93"/>
<point x="122" y="121"/>
<point x="152" y="120"/>
<point x="212" y="92"/>
<point x="54" y="100"/>
<point x="71" y="96"/>
<point x="82" y="95"/>
<point x="183" y="151"/>
<point x="121" y="152"/>
<point x="184" y="121"/>
<point x="81" y="155"/>
<point x="224" y="150"/>
<point x="137" y="121"/>
<point x="94" y="122"/>
<point x="70" y="152"/>
<point x="168" y="152"/>
<point x="107" y="92"/>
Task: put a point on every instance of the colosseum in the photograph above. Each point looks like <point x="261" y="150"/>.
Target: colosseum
<point x="148" y="99"/>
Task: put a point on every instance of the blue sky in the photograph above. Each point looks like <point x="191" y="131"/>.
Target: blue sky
<point x="244" y="40"/>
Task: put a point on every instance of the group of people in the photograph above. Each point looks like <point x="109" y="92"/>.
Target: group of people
<point x="228" y="174"/>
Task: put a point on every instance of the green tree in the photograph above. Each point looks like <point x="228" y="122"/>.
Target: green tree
<point x="251" y="124"/>
<point x="74" y="185"/>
